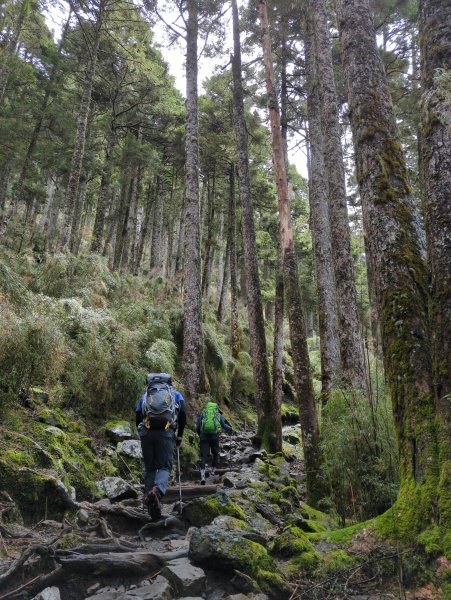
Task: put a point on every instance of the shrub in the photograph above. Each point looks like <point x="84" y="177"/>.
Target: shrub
<point x="32" y="351"/>
<point x="360" y="460"/>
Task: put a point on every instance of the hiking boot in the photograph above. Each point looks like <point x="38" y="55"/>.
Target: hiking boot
<point x="212" y="472"/>
<point x="202" y="477"/>
<point x="152" y="501"/>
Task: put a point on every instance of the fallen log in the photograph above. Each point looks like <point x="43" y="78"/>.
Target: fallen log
<point x="192" y="491"/>
<point x="94" y="549"/>
<point x="129" y="563"/>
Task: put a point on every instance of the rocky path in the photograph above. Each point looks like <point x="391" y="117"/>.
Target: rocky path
<point x="195" y="551"/>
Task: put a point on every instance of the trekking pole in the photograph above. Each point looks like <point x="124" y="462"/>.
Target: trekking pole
<point x="180" y="481"/>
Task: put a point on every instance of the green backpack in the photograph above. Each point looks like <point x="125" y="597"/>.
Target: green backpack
<point x="210" y="419"/>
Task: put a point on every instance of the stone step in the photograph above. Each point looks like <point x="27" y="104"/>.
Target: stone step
<point x="189" y="491"/>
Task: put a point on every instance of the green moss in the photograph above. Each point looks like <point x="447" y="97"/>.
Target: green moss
<point x="252" y="556"/>
<point x="303" y="564"/>
<point x="335" y="561"/>
<point x="289" y="414"/>
<point x="435" y="540"/>
<point x="273" y="472"/>
<point x="345" y="535"/>
<point x="18" y="457"/>
<point x="273" y="584"/>
<point x="291" y="542"/>
<point x="202" y="511"/>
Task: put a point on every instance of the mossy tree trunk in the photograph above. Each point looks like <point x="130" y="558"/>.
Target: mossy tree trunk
<point x="102" y="203"/>
<point x="397" y="265"/>
<point x="193" y="355"/>
<point x="351" y="346"/>
<point x="224" y="294"/>
<point x="435" y="37"/>
<point x="319" y="214"/>
<point x="298" y="335"/>
<point x="263" y="400"/>
<point x="234" y="327"/>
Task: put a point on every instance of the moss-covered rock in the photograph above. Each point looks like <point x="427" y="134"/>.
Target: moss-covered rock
<point x="291" y="542"/>
<point x="202" y="511"/>
<point x="226" y="551"/>
<point x="118" y="430"/>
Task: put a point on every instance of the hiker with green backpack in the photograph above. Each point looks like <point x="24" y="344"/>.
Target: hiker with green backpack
<point x="208" y="426"/>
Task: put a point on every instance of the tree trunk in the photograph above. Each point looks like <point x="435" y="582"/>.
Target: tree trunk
<point x="156" y="254"/>
<point x="351" y="346"/>
<point x="193" y="355"/>
<point x="179" y="262"/>
<point x="113" y="215"/>
<point x="435" y="36"/>
<point x="220" y="271"/>
<point x="277" y="364"/>
<point x="152" y="193"/>
<point x="208" y="241"/>
<point x="4" y="188"/>
<point x="137" y="237"/>
<point x="131" y="221"/>
<point x="102" y="203"/>
<point x="397" y="265"/>
<point x="121" y="223"/>
<point x="224" y="295"/>
<point x="319" y="216"/>
<point x="266" y="426"/>
<point x="76" y="224"/>
<point x="51" y="187"/>
<point x="301" y="360"/>
<point x="80" y="139"/>
<point x="234" y="328"/>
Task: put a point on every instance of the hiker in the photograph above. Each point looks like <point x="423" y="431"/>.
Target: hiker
<point x="159" y="413"/>
<point x="209" y="423"/>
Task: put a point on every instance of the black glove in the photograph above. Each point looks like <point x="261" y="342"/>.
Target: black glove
<point x="178" y="442"/>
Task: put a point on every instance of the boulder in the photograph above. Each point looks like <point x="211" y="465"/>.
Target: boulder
<point x="202" y="511"/>
<point x="50" y="593"/>
<point x="116" y="489"/>
<point x="292" y="438"/>
<point x="107" y="595"/>
<point x="228" y="551"/>
<point x="118" y="431"/>
<point x="185" y="577"/>
<point x="247" y="597"/>
<point x="130" y="448"/>
<point x="160" y="589"/>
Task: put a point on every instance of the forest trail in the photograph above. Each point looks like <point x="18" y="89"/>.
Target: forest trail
<point x="121" y="554"/>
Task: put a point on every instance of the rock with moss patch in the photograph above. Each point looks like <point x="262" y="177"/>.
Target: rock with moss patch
<point x="292" y="542"/>
<point x="116" y="489"/>
<point x="117" y="431"/>
<point x="131" y="448"/>
<point x="226" y="550"/>
<point x="202" y="511"/>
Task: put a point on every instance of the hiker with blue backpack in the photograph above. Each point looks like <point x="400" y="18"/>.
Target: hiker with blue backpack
<point x="208" y="426"/>
<point x="160" y="419"/>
